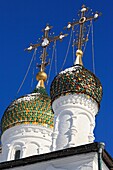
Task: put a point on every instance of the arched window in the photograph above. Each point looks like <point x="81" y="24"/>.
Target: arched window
<point x="17" y="154"/>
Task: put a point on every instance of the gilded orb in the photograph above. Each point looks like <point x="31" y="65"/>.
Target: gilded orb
<point x="79" y="53"/>
<point x="41" y="76"/>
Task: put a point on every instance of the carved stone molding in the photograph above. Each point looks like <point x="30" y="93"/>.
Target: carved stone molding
<point x="22" y="131"/>
<point x="75" y="100"/>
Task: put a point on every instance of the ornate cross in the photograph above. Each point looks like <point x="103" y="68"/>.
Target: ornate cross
<point x="83" y="19"/>
<point x="81" y="39"/>
<point x="45" y="42"/>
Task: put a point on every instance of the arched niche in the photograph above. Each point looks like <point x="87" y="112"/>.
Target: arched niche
<point x="83" y="128"/>
<point x="64" y="126"/>
<point x="32" y="148"/>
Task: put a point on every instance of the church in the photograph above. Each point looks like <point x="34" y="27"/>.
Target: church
<point x="56" y="132"/>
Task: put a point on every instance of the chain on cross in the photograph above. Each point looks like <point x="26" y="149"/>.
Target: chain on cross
<point x="81" y="39"/>
<point x="83" y="19"/>
<point x="45" y="42"/>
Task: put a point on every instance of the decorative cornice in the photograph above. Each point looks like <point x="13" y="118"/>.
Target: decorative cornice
<point x="22" y="131"/>
<point x="76" y="100"/>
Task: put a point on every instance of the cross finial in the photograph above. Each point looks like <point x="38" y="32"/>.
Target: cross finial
<point x="81" y="36"/>
<point x="44" y="43"/>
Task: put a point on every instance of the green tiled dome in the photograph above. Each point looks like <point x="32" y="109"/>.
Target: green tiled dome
<point x="78" y="80"/>
<point x="34" y="108"/>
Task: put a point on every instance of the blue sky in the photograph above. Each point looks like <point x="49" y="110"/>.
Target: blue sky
<point x="21" y="22"/>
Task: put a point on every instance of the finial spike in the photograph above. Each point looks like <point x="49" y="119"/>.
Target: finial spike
<point x="79" y="55"/>
<point x="41" y="77"/>
<point x="40" y="84"/>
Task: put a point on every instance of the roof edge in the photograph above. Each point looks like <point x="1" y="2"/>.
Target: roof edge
<point x="93" y="147"/>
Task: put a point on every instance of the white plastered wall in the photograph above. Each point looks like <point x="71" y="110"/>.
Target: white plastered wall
<point x="74" y="121"/>
<point x="88" y="161"/>
<point x="29" y="139"/>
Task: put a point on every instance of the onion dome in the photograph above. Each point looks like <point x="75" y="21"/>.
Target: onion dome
<point x="34" y="108"/>
<point x="78" y="80"/>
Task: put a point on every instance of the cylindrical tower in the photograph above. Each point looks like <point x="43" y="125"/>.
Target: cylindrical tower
<point x="27" y="124"/>
<point x="76" y="94"/>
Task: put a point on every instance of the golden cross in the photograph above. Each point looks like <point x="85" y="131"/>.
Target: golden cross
<point x="83" y="19"/>
<point x="45" y="42"/>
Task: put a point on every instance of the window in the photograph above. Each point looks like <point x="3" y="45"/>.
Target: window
<point x="17" y="154"/>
